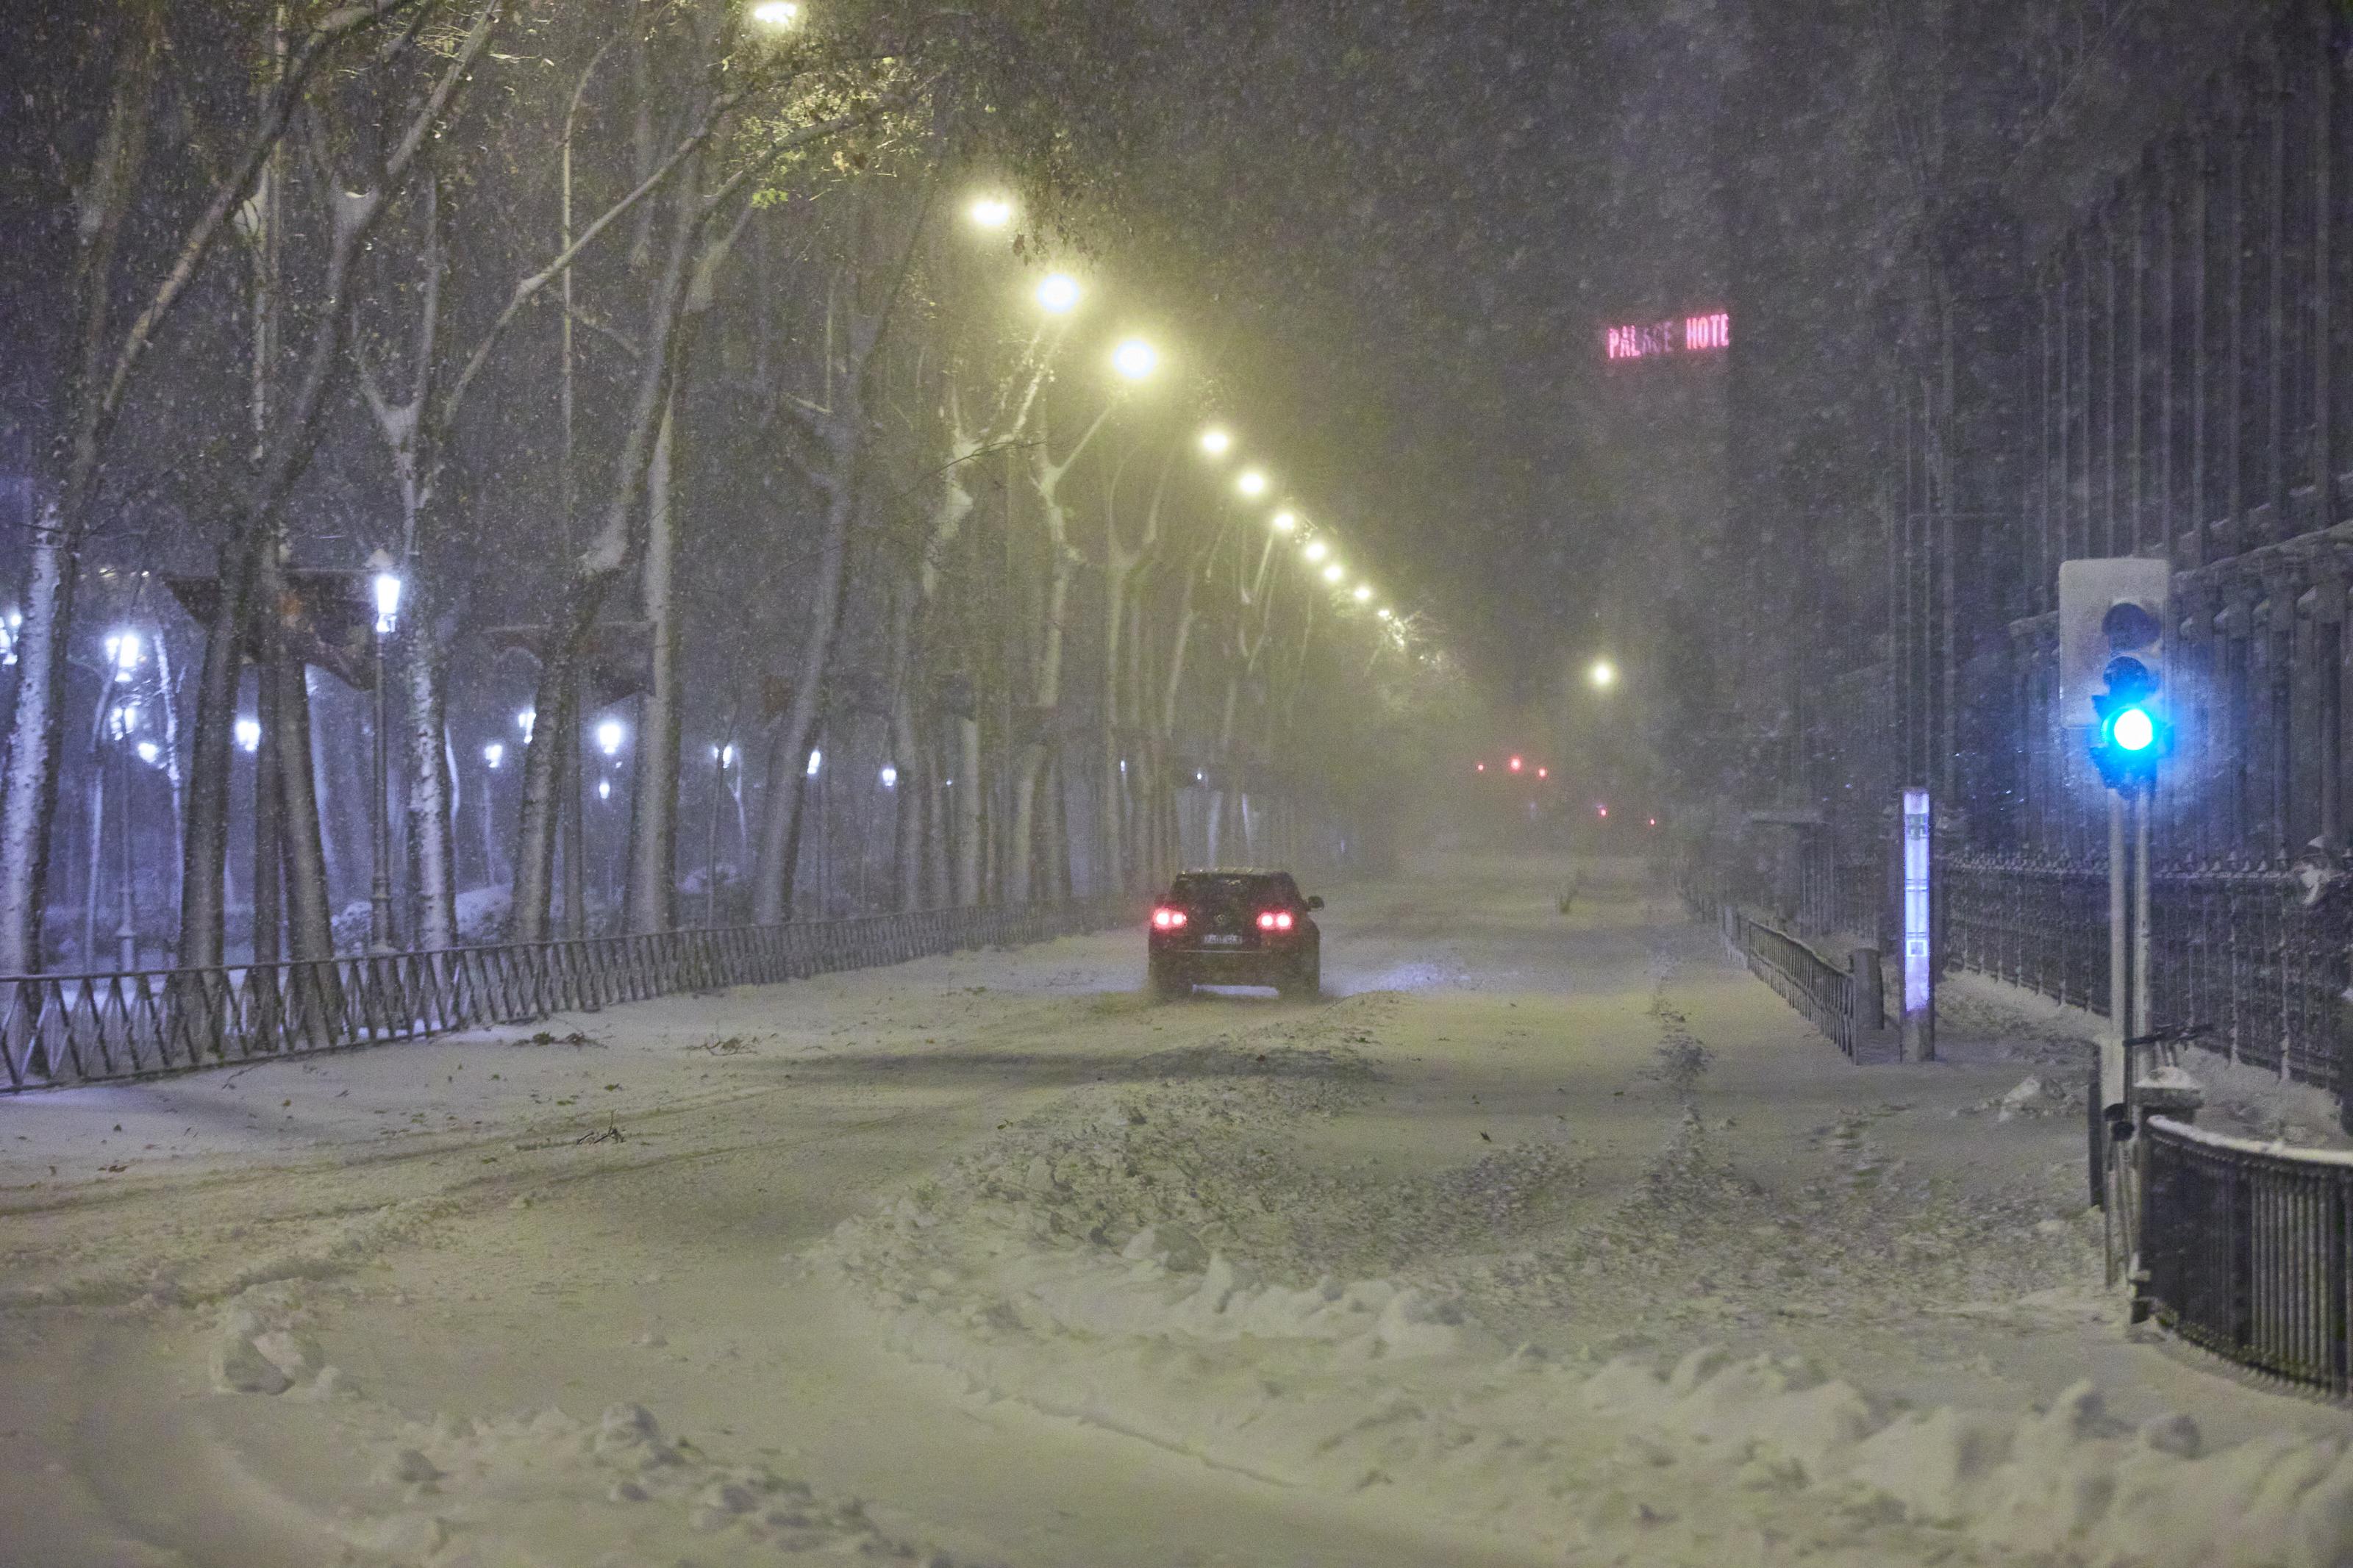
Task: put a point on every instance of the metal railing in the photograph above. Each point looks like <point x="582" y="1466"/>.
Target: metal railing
<point x="60" y="1029"/>
<point x="2235" y="942"/>
<point x="2245" y="1250"/>
<point x="1820" y="990"/>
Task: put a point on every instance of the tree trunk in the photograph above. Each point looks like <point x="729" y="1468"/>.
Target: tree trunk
<point x="966" y="805"/>
<point x="432" y="845"/>
<point x="28" y="801"/>
<point x="592" y="574"/>
<point x="204" y="855"/>
<point x="651" y="903"/>
<point x="1037" y="751"/>
<point x="269" y="817"/>
<point x="311" y="926"/>
<point x="788" y="755"/>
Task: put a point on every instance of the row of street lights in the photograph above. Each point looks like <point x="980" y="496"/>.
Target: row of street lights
<point x="1059" y="294"/>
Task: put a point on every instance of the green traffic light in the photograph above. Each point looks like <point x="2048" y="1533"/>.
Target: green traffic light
<point x="2133" y="730"/>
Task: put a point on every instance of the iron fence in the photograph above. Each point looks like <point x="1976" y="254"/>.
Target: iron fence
<point x="2241" y="946"/>
<point x="2245" y="1250"/>
<point x="1820" y="990"/>
<point x="83" y="1028"/>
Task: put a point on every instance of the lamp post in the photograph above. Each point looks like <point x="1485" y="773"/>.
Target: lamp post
<point x="126" y="930"/>
<point x="122" y="653"/>
<point x="388" y="614"/>
<point x="609" y="735"/>
<point x="722" y="757"/>
<point x="494" y="753"/>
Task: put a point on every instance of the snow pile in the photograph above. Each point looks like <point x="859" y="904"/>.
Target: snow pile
<point x="1094" y="1266"/>
<point x="548" y="1488"/>
<point x="260" y="1346"/>
<point x="2031" y="1098"/>
<point x="540" y="1487"/>
<point x="1346" y="1387"/>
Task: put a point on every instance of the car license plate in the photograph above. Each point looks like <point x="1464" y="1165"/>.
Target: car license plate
<point x="1221" y="942"/>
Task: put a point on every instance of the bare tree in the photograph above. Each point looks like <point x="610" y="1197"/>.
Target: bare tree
<point x="104" y="369"/>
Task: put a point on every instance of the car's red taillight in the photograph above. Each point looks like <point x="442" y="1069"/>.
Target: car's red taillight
<point x="1274" y="920"/>
<point x="1167" y="919"/>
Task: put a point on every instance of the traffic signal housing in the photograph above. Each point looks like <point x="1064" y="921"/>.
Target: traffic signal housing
<point x="2113" y="667"/>
<point x="2131" y="735"/>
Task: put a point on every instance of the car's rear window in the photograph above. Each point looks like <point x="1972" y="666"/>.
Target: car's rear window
<point x="1211" y="890"/>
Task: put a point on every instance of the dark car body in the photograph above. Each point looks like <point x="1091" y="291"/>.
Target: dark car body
<point x="1235" y="928"/>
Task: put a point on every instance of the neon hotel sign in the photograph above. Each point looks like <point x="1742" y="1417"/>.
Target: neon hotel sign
<point x="1687" y="334"/>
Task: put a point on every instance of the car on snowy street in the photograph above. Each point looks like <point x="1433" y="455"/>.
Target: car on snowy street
<point x="1235" y="928"/>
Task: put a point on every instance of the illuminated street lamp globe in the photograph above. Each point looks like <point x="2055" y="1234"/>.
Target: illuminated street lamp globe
<point x="1284" y="522"/>
<point x="1136" y="359"/>
<point x="1363" y="592"/>
<point x="991" y="212"/>
<point x="1383" y="612"/>
<point x="1216" y="442"/>
<point x="1059" y="294"/>
<point x="1252" y="483"/>
<point x="1333" y="573"/>
<point x="1315" y="550"/>
<point x="388" y="603"/>
<point x="1603" y="675"/>
<point x="777" y="13"/>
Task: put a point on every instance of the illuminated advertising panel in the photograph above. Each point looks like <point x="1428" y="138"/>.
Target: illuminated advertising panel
<point x="1701" y="333"/>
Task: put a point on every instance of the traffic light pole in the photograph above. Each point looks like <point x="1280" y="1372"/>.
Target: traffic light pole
<point x="2143" y="1020"/>
<point x="2112" y="1040"/>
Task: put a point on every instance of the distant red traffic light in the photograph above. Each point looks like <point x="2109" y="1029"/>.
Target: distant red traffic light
<point x="1482" y="767"/>
<point x="1516" y="764"/>
<point x="1543" y="772"/>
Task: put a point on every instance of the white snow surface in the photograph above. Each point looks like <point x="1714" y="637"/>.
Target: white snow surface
<point x="1542" y="1238"/>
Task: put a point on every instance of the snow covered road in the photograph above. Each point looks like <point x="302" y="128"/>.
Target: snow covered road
<point x="1541" y="1239"/>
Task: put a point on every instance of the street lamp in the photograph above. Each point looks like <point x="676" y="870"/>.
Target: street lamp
<point x="779" y="14"/>
<point x="1136" y="359"/>
<point x="387" y="616"/>
<point x="1284" y="522"/>
<point x="991" y="212"/>
<point x="1059" y="294"/>
<point x="1363" y="592"/>
<point x="1603" y="675"/>
<point x="387" y="602"/>
<point x="122" y="653"/>
<point x="1334" y="572"/>
<point x="1315" y="550"/>
<point x="1216" y="442"/>
<point x="1252" y="483"/>
<point x="1383" y="612"/>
